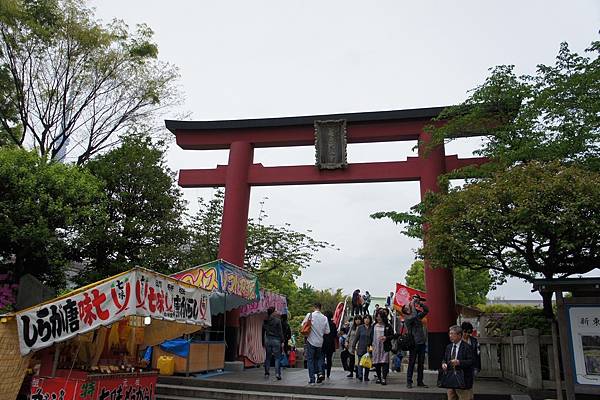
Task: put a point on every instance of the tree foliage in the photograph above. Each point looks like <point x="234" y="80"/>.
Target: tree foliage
<point x="43" y="208"/>
<point x="532" y="221"/>
<point x="553" y="115"/>
<point x="471" y="287"/>
<point x="68" y="80"/>
<point x="535" y="220"/>
<point x="531" y="211"/>
<point x="141" y="223"/>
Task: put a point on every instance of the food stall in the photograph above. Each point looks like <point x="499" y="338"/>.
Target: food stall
<point x="231" y="287"/>
<point x="251" y="321"/>
<point x="89" y="341"/>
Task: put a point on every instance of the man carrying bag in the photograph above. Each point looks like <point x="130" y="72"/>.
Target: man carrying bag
<point x="457" y="367"/>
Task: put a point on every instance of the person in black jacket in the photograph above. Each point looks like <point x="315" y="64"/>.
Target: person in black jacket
<point x="468" y="337"/>
<point x="272" y="341"/>
<point x="459" y="355"/>
<point x="356" y="302"/>
<point x="414" y="312"/>
<point x="329" y="343"/>
<point x="287" y="333"/>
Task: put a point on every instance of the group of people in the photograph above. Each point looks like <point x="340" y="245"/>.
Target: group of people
<point x="360" y="303"/>
<point x="372" y="337"/>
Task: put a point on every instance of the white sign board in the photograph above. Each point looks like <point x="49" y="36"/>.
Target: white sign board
<point x="585" y="339"/>
<point x="137" y="292"/>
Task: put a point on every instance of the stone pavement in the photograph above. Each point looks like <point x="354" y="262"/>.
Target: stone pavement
<point x="295" y="381"/>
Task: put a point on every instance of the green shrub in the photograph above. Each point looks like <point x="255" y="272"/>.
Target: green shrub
<point x="503" y="318"/>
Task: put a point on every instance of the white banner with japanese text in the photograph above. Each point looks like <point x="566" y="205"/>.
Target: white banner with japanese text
<point x="137" y="292"/>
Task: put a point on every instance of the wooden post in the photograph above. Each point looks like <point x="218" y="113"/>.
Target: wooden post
<point x="564" y="344"/>
<point x="187" y="360"/>
<point x="533" y="360"/>
<point x="556" y="357"/>
<point x="57" y="347"/>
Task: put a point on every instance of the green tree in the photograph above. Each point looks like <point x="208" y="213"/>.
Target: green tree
<point x="329" y="298"/>
<point x="472" y="287"/>
<point x="43" y="208"/>
<point x="66" y="77"/>
<point x="144" y="220"/>
<point x="277" y="254"/>
<point x="532" y="221"/>
<point x="549" y="116"/>
<point x="205" y="228"/>
<point x="536" y="126"/>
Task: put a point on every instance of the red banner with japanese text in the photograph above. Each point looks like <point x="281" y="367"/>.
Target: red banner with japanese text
<point x="137" y="292"/>
<point x="135" y="387"/>
<point x="54" y="388"/>
<point x="118" y="387"/>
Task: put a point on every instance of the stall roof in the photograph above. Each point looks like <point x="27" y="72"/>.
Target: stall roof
<point x="231" y="286"/>
<point x="137" y="292"/>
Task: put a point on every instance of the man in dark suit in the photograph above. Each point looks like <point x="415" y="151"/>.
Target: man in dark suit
<point x="459" y="355"/>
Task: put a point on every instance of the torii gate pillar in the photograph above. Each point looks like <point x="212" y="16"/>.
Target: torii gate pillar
<point x="439" y="282"/>
<point x="232" y="242"/>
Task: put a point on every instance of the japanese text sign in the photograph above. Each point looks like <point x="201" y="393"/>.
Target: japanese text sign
<point x="137" y="292"/>
<point x="584" y="327"/>
<point x="222" y="277"/>
<point x="267" y="299"/>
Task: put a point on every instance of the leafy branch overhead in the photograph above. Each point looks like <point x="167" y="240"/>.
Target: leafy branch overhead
<point x="552" y="115"/>
<point x="69" y="84"/>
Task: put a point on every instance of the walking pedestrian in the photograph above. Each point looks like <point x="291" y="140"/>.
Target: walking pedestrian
<point x="329" y="340"/>
<point x="366" y="302"/>
<point x="382" y="344"/>
<point x="287" y="333"/>
<point x="314" y="343"/>
<point x="272" y="341"/>
<point x="356" y="303"/>
<point x="352" y="367"/>
<point x="362" y="342"/>
<point x="459" y="355"/>
<point x="467" y="337"/>
<point x="414" y="312"/>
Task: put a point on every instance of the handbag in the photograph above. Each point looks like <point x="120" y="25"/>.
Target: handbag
<point x="366" y="361"/>
<point x="283" y="360"/>
<point x="292" y="358"/>
<point x="307" y="326"/>
<point x="452" y="378"/>
<point x="405" y="341"/>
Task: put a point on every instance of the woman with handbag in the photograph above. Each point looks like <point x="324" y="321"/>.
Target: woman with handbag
<point x="382" y="344"/>
<point x="362" y="342"/>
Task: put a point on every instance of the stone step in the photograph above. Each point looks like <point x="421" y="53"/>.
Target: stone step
<point x="214" y="390"/>
<point x="178" y="392"/>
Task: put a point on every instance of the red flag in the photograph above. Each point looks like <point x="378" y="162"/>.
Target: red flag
<point x="337" y="316"/>
<point x="404" y="294"/>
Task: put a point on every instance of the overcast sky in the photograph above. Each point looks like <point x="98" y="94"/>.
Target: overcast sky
<point x="258" y="59"/>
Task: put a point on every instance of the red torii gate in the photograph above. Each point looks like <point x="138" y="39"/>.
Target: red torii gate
<point x="240" y="174"/>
